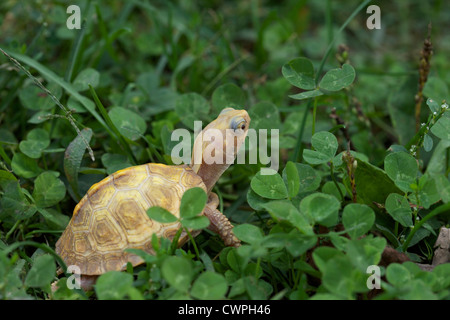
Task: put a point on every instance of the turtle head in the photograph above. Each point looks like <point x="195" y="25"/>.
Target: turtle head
<point x="216" y="147"/>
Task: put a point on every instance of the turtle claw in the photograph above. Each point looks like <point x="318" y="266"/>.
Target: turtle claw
<point x="220" y="224"/>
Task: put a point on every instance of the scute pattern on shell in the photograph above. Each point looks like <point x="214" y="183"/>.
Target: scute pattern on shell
<point x="112" y="216"/>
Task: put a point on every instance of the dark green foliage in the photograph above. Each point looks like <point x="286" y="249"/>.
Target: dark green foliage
<point x="137" y="70"/>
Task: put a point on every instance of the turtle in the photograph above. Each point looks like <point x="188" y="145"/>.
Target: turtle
<point x="111" y="217"/>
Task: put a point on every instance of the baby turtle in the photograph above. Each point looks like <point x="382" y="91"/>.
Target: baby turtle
<point x="112" y="216"/>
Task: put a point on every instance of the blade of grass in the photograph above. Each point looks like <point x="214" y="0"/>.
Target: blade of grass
<point x="4" y="155"/>
<point x="125" y="12"/>
<point x="151" y="147"/>
<point x="193" y="243"/>
<point x="300" y="133"/>
<point x="242" y="198"/>
<point x="330" y="46"/>
<point x="35" y="39"/>
<point x="97" y="50"/>
<point x="314" y="116"/>
<point x="116" y="132"/>
<point x="217" y="78"/>
<point x="75" y="53"/>
<point x="329" y="22"/>
<point x="12" y="93"/>
<point x="53" y="77"/>
<point x="104" y="33"/>
<point x="435" y="212"/>
<point x="39" y="231"/>
<point x="319" y="72"/>
<point x="50" y="76"/>
<point x="41" y="246"/>
<point x="152" y="150"/>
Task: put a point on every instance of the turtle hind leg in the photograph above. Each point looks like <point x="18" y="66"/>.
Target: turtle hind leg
<point x="87" y="282"/>
<point x="222" y="226"/>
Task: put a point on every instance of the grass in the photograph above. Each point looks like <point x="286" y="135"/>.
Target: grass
<point x="77" y="105"/>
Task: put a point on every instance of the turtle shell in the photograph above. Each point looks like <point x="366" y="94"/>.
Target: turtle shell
<point x="112" y="217"/>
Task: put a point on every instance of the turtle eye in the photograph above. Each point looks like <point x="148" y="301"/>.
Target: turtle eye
<point x="238" y="124"/>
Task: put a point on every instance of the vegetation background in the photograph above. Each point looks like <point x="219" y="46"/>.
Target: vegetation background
<point x="310" y="231"/>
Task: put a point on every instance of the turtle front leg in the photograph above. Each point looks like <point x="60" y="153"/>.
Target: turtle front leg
<point x="222" y="226"/>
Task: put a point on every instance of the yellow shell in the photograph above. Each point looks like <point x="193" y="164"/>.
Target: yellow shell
<point x="112" y="216"/>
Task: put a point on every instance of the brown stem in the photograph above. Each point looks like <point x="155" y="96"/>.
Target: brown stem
<point x="424" y="69"/>
<point x="344" y="129"/>
<point x="351" y="168"/>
